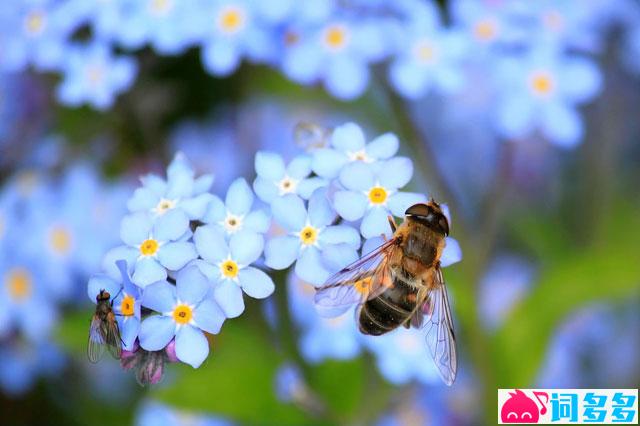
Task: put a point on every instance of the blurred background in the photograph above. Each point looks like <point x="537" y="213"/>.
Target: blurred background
<point x="522" y="116"/>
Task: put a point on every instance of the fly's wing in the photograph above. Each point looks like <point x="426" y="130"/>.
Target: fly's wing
<point x="434" y="318"/>
<point x="112" y="336"/>
<point x="364" y="279"/>
<point x="95" y="346"/>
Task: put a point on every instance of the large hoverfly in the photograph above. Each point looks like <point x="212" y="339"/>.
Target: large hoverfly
<point x="401" y="284"/>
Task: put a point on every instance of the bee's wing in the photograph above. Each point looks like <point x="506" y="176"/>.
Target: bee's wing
<point x="434" y="318"/>
<point x="95" y="345"/>
<point x="362" y="280"/>
<point x="112" y="337"/>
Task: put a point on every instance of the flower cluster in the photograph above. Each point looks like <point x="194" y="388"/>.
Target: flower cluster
<point x="189" y="257"/>
<point x="546" y="47"/>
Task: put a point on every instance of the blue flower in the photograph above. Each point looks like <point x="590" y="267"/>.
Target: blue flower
<point x="235" y="213"/>
<point x="318" y="248"/>
<point x="152" y="246"/>
<point x="126" y="299"/>
<point x="348" y="144"/>
<point x="153" y="413"/>
<point x="91" y="74"/>
<point x="276" y="180"/>
<point x="540" y="92"/>
<point x="185" y="312"/>
<point x="372" y="194"/>
<point x="23" y="363"/>
<point x="227" y="265"/>
<point x="181" y="191"/>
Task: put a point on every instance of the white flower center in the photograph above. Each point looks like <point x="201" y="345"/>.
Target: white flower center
<point x="160" y="7"/>
<point x="425" y="51"/>
<point x="359" y="156"/>
<point x="164" y="205"/>
<point x="232" y="223"/>
<point x="35" y="22"/>
<point x="287" y="185"/>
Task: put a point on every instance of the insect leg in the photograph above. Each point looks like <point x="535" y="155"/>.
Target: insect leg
<point x="392" y="223"/>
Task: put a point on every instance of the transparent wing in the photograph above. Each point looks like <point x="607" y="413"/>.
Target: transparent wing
<point x="95" y="346"/>
<point x="434" y="318"/>
<point x="112" y="337"/>
<point x="362" y="280"/>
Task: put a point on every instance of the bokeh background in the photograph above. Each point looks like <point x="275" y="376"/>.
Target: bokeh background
<point x="522" y="116"/>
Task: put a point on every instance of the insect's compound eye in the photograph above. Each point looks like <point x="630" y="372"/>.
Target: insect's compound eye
<point x="444" y="224"/>
<point x="418" y="210"/>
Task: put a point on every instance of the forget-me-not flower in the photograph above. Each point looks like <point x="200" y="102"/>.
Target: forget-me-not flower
<point x="181" y="191"/>
<point x="318" y="248"/>
<point x="185" y="312"/>
<point x="275" y="179"/>
<point x="372" y="193"/>
<point x="227" y="265"/>
<point x="348" y="144"/>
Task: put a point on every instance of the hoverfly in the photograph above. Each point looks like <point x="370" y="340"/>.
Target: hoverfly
<point x="104" y="329"/>
<point x="401" y="284"/>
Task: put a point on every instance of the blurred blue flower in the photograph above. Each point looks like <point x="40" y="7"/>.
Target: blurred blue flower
<point x="152" y="246"/>
<point x="372" y="193"/>
<point x="93" y="75"/>
<point x="227" y="265"/>
<point x="348" y="144"/>
<point x="488" y="24"/>
<point x="181" y="191"/>
<point x="126" y="298"/>
<point x="318" y="248"/>
<point x="541" y="91"/>
<point x="630" y="53"/>
<point x="235" y="213"/>
<point x="153" y="413"/>
<point x="185" y="312"/>
<point x="276" y="180"/>
<point x="321" y="338"/>
<point x="22" y="364"/>
<point x="289" y="383"/>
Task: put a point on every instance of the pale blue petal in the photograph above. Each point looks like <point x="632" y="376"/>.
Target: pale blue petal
<point x="310" y="267"/>
<point x="155" y="183"/>
<point x="289" y="212"/>
<point x="562" y="125"/>
<point x="101" y="282"/>
<point x="452" y="253"/>
<point x="256" y="283"/>
<point x="269" y="166"/>
<point x="383" y="147"/>
<point x="320" y="212"/>
<point x="171" y="225"/>
<point x="216" y="211"/>
<point x="299" y="167"/>
<point x="191" y="346"/>
<point x="129" y="330"/>
<point x="125" y="253"/>
<point x="515" y="117"/>
<point x="135" y="228"/>
<point x="228" y="295"/>
<point x="210" y="243"/>
<point x="375" y="223"/>
<point x="308" y="186"/>
<point x="328" y="162"/>
<point x="373" y="243"/>
<point x="580" y="80"/>
<point x="265" y="189"/>
<point x="196" y="207"/>
<point x="346" y="78"/>
<point x="220" y="58"/>
<point x="350" y="205"/>
<point x="257" y="221"/>
<point x="399" y="202"/>
<point x="174" y="256"/>
<point x="239" y="197"/>
<point x="340" y="234"/>
<point x="147" y="271"/>
<point x="208" y="316"/>
<point x="357" y="176"/>
<point x="337" y="256"/>
<point x="143" y="199"/>
<point x="395" y="173"/>
<point x="160" y="297"/>
<point x="281" y="252"/>
<point x="156" y="332"/>
<point x="203" y="184"/>
<point x="246" y="246"/>
<point x="348" y="138"/>
<point x="409" y="79"/>
<point x="191" y="285"/>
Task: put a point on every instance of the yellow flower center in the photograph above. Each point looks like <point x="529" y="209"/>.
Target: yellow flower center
<point x="229" y="268"/>
<point x="553" y="20"/>
<point x="18" y="282"/>
<point x="182" y="314"/>
<point x="335" y="37"/>
<point x="231" y="20"/>
<point x="309" y="235"/>
<point x="35" y="22"/>
<point x="126" y="306"/>
<point x="161" y="7"/>
<point x="60" y="239"/>
<point x="424" y="51"/>
<point x="149" y="247"/>
<point x="164" y="205"/>
<point x="485" y="30"/>
<point x="362" y="286"/>
<point x="542" y="83"/>
<point x="377" y="195"/>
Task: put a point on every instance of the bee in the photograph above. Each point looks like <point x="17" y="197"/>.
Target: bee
<point x="104" y="330"/>
<point x="401" y="284"/>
